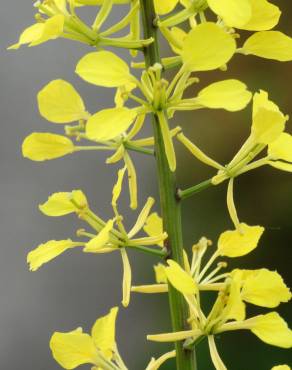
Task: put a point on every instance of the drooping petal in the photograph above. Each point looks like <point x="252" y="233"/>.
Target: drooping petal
<point x="127" y="278"/>
<point x="118" y="186"/>
<point x="214" y="48"/>
<point x="235" y="243"/>
<point x="217" y="362"/>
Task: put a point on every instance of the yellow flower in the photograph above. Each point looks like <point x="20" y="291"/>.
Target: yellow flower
<point x="281" y="367"/>
<point x="221" y="47"/>
<point x="44" y="146"/>
<point x="76" y="348"/>
<point x="235" y="243"/>
<point x="39" y="33"/>
<point x="59" y="102"/>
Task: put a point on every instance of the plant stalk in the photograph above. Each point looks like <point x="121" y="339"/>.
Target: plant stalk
<point x="170" y="204"/>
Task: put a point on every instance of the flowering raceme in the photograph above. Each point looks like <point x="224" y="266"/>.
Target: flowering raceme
<point x="199" y="45"/>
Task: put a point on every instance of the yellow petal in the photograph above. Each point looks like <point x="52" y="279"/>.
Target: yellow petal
<point x="73" y="349"/>
<point x="142" y="218"/>
<point x="231" y="95"/>
<point x="265" y="288"/>
<point x="132" y="181"/>
<point x="53" y="28"/>
<point x="261" y="100"/>
<point x="265" y="16"/>
<point x="167" y="139"/>
<point x="153" y="225"/>
<point x="235" y="243"/>
<point x="45" y="146"/>
<point x="221" y="47"/>
<point x="48" y="251"/>
<point x="118" y="186"/>
<point x="267" y="125"/>
<point x="270" y="45"/>
<point x="281" y="165"/>
<point x="59" y="204"/>
<point x="178" y="36"/>
<point x="150" y="289"/>
<point x="103" y="68"/>
<point x="179" y="278"/>
<point x="155" y="364"/>
<point x="122" y="91"/>
<point x="281" y="148"/>
<point x="235" y="13"/>
<point x="164" y="6"/>
<point x="281" y="367"/>
<point x="272" y="329"/>
<point x="59" y="102"/>
<point x="127" y="278"/>
<point x="160" y="275"/>
<point x="99" y="2"/>
<point x="109" y="123"/>
<point x="174" y="337"/>
<point x="97" y="243"/>
<point x="30" y="34"/>
<point x="235" y="306"/>
<point x="217" y="362"/>
<point x="104" y="332"/>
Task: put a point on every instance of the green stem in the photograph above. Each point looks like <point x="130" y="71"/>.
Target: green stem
<point x="170" y="205"/>
<point x="184" y="194"/>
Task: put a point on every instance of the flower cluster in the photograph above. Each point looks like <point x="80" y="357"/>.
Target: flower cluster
<point x="204" y="45"/>
<point x="234" y="289"/>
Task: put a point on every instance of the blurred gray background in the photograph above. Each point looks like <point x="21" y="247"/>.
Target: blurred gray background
<point x="76" y="288"/>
